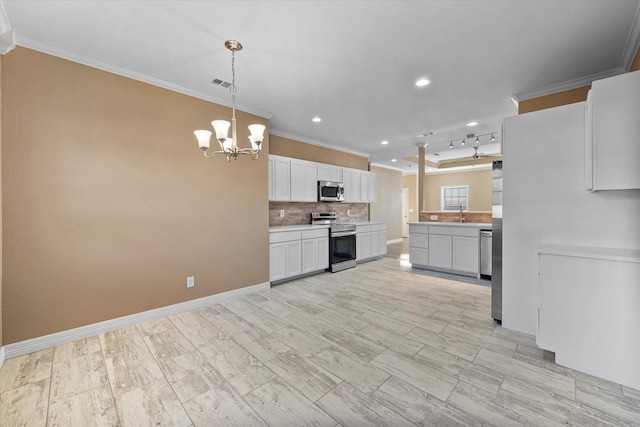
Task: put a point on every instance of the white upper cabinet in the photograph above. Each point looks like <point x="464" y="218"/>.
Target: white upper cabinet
<point x="304" y="181"/>
<point x="296" y="180"/>
<point x="281" y="178"/>
<point x="612" y="133"/>
<point x="329" y="173"/>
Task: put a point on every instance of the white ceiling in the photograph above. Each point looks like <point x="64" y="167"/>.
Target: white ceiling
<point x="353" y="63"/>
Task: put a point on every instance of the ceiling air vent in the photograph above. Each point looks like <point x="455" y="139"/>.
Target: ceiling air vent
<point x="222" y="83"/>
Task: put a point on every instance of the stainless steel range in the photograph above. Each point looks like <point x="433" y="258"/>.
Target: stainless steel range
<point x="342" y="241"/>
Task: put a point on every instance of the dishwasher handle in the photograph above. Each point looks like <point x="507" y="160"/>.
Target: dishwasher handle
<point x="486" y="233"/>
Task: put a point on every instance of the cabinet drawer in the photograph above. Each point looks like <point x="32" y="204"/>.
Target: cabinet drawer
<point x="454" y="231"/>
<point x="378" y="227"/>
<point x="284" y="236"/>
<point x="419" y="256"/>
<point x="363" y="228"/>
<point x="422" y="229"/>
<point x="417" y="240"/>
<point x="312" y="234"/>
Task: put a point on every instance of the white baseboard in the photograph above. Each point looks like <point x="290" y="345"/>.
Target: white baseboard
<point x="390" y="242"/>
<point x="52" y="340"/>
<point x="1" y="356"/>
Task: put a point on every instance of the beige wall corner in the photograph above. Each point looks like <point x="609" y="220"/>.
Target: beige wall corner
<point x="388" y="208"/>
<point x="108" y="203"/>
<point x="281" y="146"/>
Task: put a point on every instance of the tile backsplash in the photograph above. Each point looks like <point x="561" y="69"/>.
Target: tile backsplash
<point x="477" y="217"/>
<point x="300" y="213"/>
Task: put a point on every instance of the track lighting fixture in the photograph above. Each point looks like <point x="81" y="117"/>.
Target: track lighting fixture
<point x="471" y="135"/>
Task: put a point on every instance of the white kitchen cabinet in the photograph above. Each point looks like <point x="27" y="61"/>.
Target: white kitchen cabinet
<point x="419" y="245"/>
<point x="304" y="181"/>
<point x="440" y="251"/>
<point x="364" y="186"/>
<point x="277" y="261"/>
<point x="371" y="241"/>
<point x="351" y="183"/>
<point x="293" y="253"/>
<point x="285" y="260"/>
<point x="315" y="250"/>
<point x="446" y="247"/>
<point x="279" y="178"/>
<point x="612" y="129"/>
<point x="466" y="254"/>
<point x="378" y="240"/>
<point x="271" y="177"/>
<point x="329" y="173"/>
<point x="373" y="187"/>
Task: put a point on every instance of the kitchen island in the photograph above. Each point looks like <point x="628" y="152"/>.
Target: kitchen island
<point x="451" y="247"/>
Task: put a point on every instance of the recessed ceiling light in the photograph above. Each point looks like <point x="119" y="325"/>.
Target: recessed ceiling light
<point x="472" y="124"/>
<point x="394" y="160"/>
<point x="422" y="82"/>
<point x="385" y="142"/>
<point x="316" y="119"/>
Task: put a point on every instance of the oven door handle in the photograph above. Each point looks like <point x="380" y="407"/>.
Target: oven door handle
<point x="343" y="234"/>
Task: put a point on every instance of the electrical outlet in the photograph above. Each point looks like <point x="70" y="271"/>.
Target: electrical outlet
<point x="191" y="281"/>
<point x="281" y="213"/>
<point x="434" y="217"/>
<point x="348" y="212"/>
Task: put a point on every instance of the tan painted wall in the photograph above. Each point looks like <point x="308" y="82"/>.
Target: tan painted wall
<point x="554" y="100"/>
<point x="409" y="181"/>
<point x="635" y="65"/>
<point x="108" y="203"/>
<point x="300" y="150"/>
<point x="479" y="183"/>
<point x="388" y="208"/>
<point x="564" y="97"/>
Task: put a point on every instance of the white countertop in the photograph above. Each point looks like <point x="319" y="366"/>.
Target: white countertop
<point x="613" y="254"/>
<point x="300" y="227"/>
<point x="365" y="222"/>
<point x="454" y="224"/>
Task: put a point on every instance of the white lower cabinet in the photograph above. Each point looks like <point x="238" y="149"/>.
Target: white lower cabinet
<point x="371" y="241"/>
<point x="293" y="253"/>
<point x="445" y="247"/>
<point x="315" y="254"/>
<point x="285" y="259"/>
<point x="440" y="251"/>
<point x="465" y="254"/>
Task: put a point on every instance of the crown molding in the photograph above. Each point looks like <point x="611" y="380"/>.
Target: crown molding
<point x="80" y="58"/>
<point x="568" y="85"/>
<point x="633" y="43"/>
<point x="282" y="134"/>
<point x="378" y="165"/>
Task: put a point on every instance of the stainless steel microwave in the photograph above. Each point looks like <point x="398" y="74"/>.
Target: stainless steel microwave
<point x="330" y="191"/>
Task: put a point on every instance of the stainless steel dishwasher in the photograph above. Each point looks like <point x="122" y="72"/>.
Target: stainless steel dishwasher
<point x="485" y="252"/>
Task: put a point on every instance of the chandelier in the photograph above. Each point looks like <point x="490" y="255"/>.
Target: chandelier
<point x="229" y="146"/>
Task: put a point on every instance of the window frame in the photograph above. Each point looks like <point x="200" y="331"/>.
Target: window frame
<point x="442" y="198"/>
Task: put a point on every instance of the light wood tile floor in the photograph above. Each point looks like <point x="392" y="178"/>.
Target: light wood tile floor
<point x="375" y="345"/>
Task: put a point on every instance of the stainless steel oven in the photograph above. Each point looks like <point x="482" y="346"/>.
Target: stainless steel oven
<point x="342" y="241"/>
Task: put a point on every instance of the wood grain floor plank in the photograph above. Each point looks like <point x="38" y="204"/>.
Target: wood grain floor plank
<point x="363" y="376"/>
<point x="302" y="342"/>
<point x="241" y="369"/>
<point x="420" y="408"/>
<point x="416" y="373"/>
<point x="307" y="377"/>
<point x="280" y="405"/>
<point x="351" y="407"/>
<point x="96" y="406"/>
